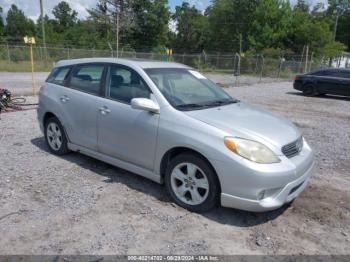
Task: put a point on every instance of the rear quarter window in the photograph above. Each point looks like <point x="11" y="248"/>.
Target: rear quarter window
<point x="59" y="75"/>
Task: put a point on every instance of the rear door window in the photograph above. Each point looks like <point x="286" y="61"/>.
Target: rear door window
<point x="59" y="75"/>
<point x="87" y="78"/>
<point x="333" y="73"/>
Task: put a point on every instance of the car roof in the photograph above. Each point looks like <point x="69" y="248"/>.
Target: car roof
<point x="143" y="63"/>
<point x="335" y="69"/>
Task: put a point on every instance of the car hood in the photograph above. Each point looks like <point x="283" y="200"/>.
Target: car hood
<point x="246" y="121"/>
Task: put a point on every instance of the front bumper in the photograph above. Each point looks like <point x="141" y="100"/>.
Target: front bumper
<point x="281" y="197"/>
<point x="261" y="187"/>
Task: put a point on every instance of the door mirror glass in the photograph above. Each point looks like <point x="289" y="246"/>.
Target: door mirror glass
<point x="145" y="104"/>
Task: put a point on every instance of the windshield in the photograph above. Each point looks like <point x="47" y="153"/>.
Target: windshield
<point x="188" y="89"/>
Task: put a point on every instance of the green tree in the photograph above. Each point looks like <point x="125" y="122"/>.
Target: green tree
<point x="101" y="19"/>
<point x="338" y="13"/>
<point x="2" y="26"/>
<point x="343" y="32"/>
<point x="65" y="17"/>
<point x="227" y="21"/>
<point x="314" y="33"/>
<point x="112" y="16"/>
<point x="271" y="25"/>
<point x="48" y="28"/>
<point x="150" y="27"/>
<point x="18" y="25"/>
<point x="191" y="25"/>
<point x="302" y="6"/>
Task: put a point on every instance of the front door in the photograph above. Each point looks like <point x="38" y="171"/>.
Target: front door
<point x="123" y="132"/>
<point x="344" y="85"/>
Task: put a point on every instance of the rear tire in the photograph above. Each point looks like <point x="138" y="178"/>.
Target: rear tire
<point x="192" y="183"/>
<point x="309" y="90"/>
<point x="55" y="137"/>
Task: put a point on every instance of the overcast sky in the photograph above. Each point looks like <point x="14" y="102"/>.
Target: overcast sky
<point x="32" y="9"/>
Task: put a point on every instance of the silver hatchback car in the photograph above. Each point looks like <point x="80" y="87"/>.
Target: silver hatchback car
<point x="169" y="123"/>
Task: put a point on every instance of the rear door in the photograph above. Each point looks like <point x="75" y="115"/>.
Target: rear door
<point x="80" y="103"/>
<point x="328" y="82"/>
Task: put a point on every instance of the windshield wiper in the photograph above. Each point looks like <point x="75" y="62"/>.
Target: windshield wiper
<point x="221" y="102"/>
<point x="206" y="105"/>
<point x="190" y="106"/>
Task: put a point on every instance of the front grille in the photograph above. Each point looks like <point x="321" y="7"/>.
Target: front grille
<point x="292" y="149"/>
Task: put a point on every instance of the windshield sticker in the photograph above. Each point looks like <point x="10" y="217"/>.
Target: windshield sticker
<point x="197" y="74"/>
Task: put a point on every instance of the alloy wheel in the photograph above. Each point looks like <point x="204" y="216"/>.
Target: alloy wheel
<point x="189" y="183"/>
<point x="54" y="136"/>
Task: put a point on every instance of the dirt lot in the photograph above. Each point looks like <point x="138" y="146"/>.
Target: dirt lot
<point x="77" y="205"/>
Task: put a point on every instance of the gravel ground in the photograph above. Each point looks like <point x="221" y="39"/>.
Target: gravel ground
<point x="77" y="205"/>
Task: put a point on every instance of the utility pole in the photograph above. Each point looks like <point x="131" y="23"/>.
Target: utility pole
<point x="310" y="63"/>
<point x="43" y="28"/>
<point x="336" y="20"/>
<point x="118" y="33"/>
<point x="306" y="58"/>
<point x="240" y="44"/>
<point x="301" y="60"/>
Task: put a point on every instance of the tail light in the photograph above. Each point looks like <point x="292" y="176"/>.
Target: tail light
<point x="296" y="78"/>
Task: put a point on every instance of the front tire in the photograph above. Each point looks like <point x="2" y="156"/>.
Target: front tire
<point x="56" y="137"/>
<point x="192" y="183"/>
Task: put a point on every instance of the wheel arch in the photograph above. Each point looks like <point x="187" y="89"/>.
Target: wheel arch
<point x="309" y="83"/>
<point x="314" y="88"/>
<point x="175" y="151"/>
<point x="47" y="116"/>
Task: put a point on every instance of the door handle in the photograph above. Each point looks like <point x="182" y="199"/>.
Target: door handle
<point x="64" y="99"/>
<point x="104" y="110"/>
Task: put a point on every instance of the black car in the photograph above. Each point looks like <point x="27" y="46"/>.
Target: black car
<point x="324" y="81"/>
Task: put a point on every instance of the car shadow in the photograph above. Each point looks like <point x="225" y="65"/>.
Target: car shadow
<point x="112" y="174"/>
<point x="333" y="97"/>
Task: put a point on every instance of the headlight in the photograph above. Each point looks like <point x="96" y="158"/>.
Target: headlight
<point x="251" y="150"/>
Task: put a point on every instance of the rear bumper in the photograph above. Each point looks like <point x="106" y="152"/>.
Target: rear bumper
<point x="281" y="197"/>
<point x="40" y="117"/>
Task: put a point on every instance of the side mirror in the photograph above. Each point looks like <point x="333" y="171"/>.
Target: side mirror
<point x="145" y="104"/>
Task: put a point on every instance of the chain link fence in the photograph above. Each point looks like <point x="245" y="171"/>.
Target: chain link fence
<point x="241" y="69"/>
